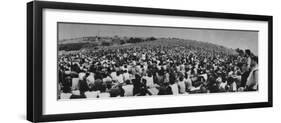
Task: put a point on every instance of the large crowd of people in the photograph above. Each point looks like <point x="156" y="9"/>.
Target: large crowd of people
<point x="157" y="70"/>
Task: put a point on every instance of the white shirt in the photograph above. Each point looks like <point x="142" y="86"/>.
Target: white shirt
<point x="223" y="85"/>
<point x="77" y="92"/>
<point x="131" y="76"/>
<point x="249" y="62"/>
<point x="120" y="78"/>
<point x="128" y="90"/>
<point x="75" y="82"/>
<point x="126" y="76"/>
<point x="252" y="80"/>
<point x="182" y="87"/>
<point x="107" y="79"/>
<point x="65" y="95"/>
<point x="188" y="82"/>
<point x="205" y="76"/>
<point x="90" y="79"/>
<point x="153" y="91"/>
<point x="104" y="95"/>
<point x="175" y="89"/>
<point x="92" y="94"/>
<point x="149" y="81"/>
<point x="165" y="67"/>
<point x="143" y="57"/>
<point x="113" y="75"/>
<point x="81" y="75"/>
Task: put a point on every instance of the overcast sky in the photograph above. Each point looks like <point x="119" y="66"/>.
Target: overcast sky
<point x="227" y="38"/>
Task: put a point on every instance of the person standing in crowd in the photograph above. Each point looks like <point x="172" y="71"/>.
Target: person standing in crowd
<point x="252" y="81"/>
<point x="248" y="55"/>
<point x="245" y="73"/>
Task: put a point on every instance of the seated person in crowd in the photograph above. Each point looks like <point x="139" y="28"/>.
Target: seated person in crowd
<point x="104" y="91"/>
<point x="128" y="88"/>
<point x="66" y="93"/>
<point x="154" y="70"/>
<point x="182" y="86"/>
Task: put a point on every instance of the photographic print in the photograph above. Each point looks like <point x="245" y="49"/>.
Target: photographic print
<point x="97" y="61"/>
<point x="87" y="61"/>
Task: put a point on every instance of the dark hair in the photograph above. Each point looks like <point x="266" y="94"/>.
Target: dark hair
<point x="255" y="58"/>
<point x="127" y="81"/>
<point x="230" y="80"/>
<point x="172" y="79"/>
<point x="66" y="89"/>
<point x="83" y="86"/>
<point x="248" y="52"/>
<point x="144" y="81"/>
<point x="181" y="78"/>
<point x="241" y="64"/>
<point x="149" y="74"/>
<point x="118" y="73"/>
<point x="87" y="74"/>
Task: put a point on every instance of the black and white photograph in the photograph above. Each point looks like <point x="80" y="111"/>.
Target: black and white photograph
<point x="90" y="61"/>
<point x="97" y="61"/>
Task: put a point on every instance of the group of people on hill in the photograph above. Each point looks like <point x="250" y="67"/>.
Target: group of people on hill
<point x="151" y="71"/>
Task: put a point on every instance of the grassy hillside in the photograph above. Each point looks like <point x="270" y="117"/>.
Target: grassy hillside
<point x="93" y="43"/>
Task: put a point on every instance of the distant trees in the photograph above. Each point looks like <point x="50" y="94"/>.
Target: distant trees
<point x="122" y="42"/>
<point x="134" y="40"/>
<point x="88" y="42"/>
<point x="138" y="40"/>
<point x="105" y="43"/>
<point x="151" y="39"/>
<point x="72" y="46"/>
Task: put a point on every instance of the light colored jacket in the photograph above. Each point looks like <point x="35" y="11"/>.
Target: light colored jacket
<point x="252" y="81"/>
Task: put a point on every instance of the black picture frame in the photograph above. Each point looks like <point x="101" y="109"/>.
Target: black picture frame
<point x="35" y="69"/>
